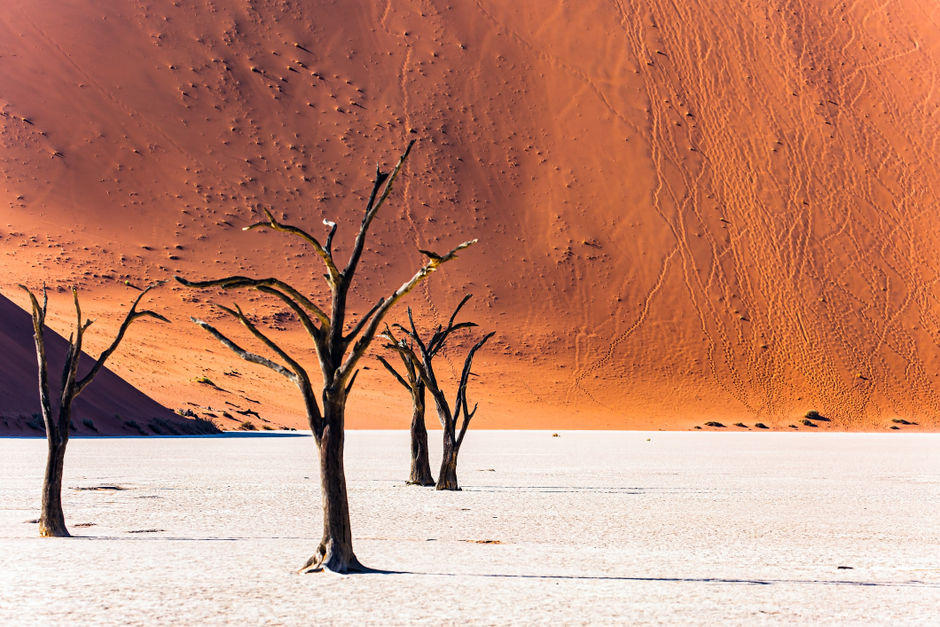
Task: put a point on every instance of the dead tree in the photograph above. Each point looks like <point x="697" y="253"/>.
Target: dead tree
<point x="339" y="348"/>
<point x="450" y="415"/>
<point x="412" y="381"/>
<point x="57" y="415"/>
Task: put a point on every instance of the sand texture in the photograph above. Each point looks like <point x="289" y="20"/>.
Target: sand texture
<point x="686" y="211"/>
<point x="585" y="528"/>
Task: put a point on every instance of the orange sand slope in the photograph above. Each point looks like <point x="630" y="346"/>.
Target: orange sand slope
<point x="703" y="211"/>
<point x="109" y="405"/>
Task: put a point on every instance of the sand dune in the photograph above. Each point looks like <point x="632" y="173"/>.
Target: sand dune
<point x="707" y="211"/>
<point x="109" y="406"/>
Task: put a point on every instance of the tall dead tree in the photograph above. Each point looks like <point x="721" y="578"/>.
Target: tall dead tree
<point x="57" y="413"/>
<point x="338" y="350"/>
<point x="450" y="415"/>
<point x="412" y="381"/>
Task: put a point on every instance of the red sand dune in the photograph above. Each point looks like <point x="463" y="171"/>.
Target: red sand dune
<point x="109" y="405"/>
<point x="687" y="212"/>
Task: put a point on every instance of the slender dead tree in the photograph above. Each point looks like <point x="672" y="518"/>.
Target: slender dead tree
<point x="450" y="415"/>
<point x="51" y="518"/>
<point x="338" y="351"/>
<point x="412" y="381"/>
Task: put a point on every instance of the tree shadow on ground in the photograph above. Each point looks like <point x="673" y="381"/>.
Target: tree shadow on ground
<point x="715" y="580"/>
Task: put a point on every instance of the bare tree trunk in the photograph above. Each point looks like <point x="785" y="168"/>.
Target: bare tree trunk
<point x="420" y="466"/>
<point x="335" y="552"/>
<point x="447" y="478"/>
<point x="51" y="518"/>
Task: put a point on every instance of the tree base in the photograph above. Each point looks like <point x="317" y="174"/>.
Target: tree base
<point x="52" y="532"/>
<point x="449" y="483"/>
<point x="52" y="525"/>
<point x="333" y="562"/>
<point x="426" y="483"/>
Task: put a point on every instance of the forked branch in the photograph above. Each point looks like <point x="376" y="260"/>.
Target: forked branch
<point x="322" y="251"/>
<point x="293" y="298"/>
<point x="370" y="329"/>
<point x="246" y="355"/>
<point x="460" y="404"/>
<point x="132" y="315"/>
<point x="376" y="200"/>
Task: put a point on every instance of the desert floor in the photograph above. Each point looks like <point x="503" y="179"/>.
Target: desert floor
<point x="587" y="527"/>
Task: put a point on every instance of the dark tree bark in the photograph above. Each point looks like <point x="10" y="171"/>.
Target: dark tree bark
<point x="338" y="352"/>
<point x="420" y="465"/>
<point x="447" y="477"/>
<point x="51" y="517"/>
<point x="411" y="381"/>
<point x="418" y="356"/>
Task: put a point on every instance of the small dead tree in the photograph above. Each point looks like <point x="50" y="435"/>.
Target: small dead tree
<point x="338" y="351"/>
<point x="422" y="361"/>
<point x="412" y="381"/>
<point x="57" y="416"/>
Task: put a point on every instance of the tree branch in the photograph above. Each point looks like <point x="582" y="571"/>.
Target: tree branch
<point x="74" y="353"/>
<point x="369" y="332"/>
<point x="395" y="374"/>
<point x="232" y="282"/>
<point x="362" y="321"/>
<point x="440" y="337"/>
<point x="322" y="251"/>
<point x="305" y="320"/>
<point x="246" y="355"/>
<point x="461" y="401"/>
<point x="329" y="238"/>
<point x="352" y="380"/>
<point x="372" y="208"/>
<point x="132" y="315"/>
<point x="39" y="325"/>
<point x="294" y="365"/>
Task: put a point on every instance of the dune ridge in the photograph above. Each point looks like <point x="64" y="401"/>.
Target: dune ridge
<point x="711" y="211"/>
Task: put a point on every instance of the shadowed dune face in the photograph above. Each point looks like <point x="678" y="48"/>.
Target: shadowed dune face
<point x="705" y="212"/>
<point x="109" y="406"/>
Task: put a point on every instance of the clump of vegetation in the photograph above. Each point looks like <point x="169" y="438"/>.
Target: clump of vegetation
<point x="204" y="425"/>
<point x="205" y="381"/>
<point x="714" y="423"/>
<point x="793" y="427"/>
<point x="247" y="426"/>
<point x="901" y="421"/>
<point x="88" y="422"/>
<point x="741" y="424"/>
<point x="760" y="425"/>
<point x="809" y="423"/>
<point x="133" y="426"/>
<point x="816" y="416"/>
<point x="162" y="427"/>
<point x="895" y="427"/>
<point x="35" y="423"/>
